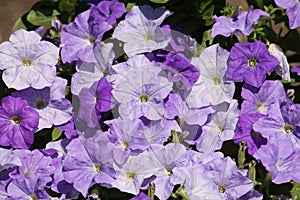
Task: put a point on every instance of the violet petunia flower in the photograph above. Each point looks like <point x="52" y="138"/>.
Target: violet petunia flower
<point x="180" y="69"/>
<point x="245" y="132"/>
<point x="292" y="10"/>
<point x="141" y="31"/>
<point x="240" y="24"/>
<point x="18" y="123"/>
<point x="282" y="159"/>
<point x="27" y="61"/>
<point x="49" y="102"/>
<point x="8" y="159"/>
<point x="250" y="62"/>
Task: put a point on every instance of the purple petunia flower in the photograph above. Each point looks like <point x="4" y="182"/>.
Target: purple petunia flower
<point x="140" y="30"/>
<point x="292" y="10"/>
<point x="241" y="23"/>
<point x="141" y="196"/>
<point x="18" y="122"/>
<point x="250" y="62"/>
<point x="27" y="61"/>
<point x="282" y="159"/>
<point x="180" y="69"/>
<point x="8" y="159"/>
<point x="245" y="132"/>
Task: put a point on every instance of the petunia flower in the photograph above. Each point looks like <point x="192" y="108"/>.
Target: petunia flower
<point x="27" y="61"/>
<point x="18" y="123"/>
<point x="141" y="31"/>
<point x="250" y="62"/>
<point x="259" y="101"/>
<point x="282" y="159"/>
<point x="292" y="10"/>
<point x="241" y="23"/>
<point x="8" y="159"/>
<point x="212" y="65"/>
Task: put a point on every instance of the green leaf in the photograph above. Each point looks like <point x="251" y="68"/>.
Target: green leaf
<point x="295" y="192"/>
<point x="38" y="18"/>
<point x="159" y="1"/>
<point x="129" y="6"/>
<point x="19" y="25"/>
<point x="56" y="133"/>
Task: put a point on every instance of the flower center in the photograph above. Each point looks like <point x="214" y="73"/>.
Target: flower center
<point x="40" y="103"/>
<point x="148" y="36"/>
<point x="15" y="120"/>
<point x="124" y="144"/>
<point x="91" y="40"/>
<point x="255" y="134"/>
<point x="144" y="98"/>
<point x="27" y="61"/>
<point x="130" y="175"/>
<point x="259" y="106"/>
<point x="287" y="128"/>
<point x="217" y="80"/>
<point x="169" y="171"/>
<point x="222" y="188"/>
<point x="33" y="197"/>
<point x="252" y="62"/>
<point x="97" y="167"/>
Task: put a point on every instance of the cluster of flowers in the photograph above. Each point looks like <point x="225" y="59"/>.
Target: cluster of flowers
<point x="152" y="119"/>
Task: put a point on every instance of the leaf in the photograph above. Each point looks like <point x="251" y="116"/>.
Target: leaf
<point x="38" y="18"/>
<point x="56" y="133"/>
<point x="19" y="25"/>
<point x="295" y="192"/>
<point x="159" y="1"/>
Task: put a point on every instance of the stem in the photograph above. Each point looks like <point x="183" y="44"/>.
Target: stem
<point x="182" y="193"/>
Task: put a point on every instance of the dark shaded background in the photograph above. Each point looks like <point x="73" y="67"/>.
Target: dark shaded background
<point x="10" y="11"/>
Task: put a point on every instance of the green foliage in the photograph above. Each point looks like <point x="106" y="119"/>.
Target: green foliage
<point x="159" y="1"/>
<point x="38" y="18"/>
<point x="56" y="133"/>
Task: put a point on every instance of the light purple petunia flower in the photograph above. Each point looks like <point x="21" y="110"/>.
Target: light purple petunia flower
<point x="8" y="159"/>
<point x="292" y="10"/>
<point x="27" y="61"/>
<point x="197" y="185"/>
<point x="250" y="62"/>
<point x="212" y="64"/>
<point x="141" y="91"/>
<point x="283" y="68"/>
<point x="281" y="123"/>
<point x="88" y="162"/>
<point x="141" y="196"/>
<point x="282" y="159"/>
<point x="241" y="23"/>
<point x="232" y="182"/>
<point x="18" y="123"/>
<point x="220" y="128"/>
<point x="141" y="32"/>
<point x="175" y="106"/>
<point x="78" y="39"/>
<point x="259" y="101"/>
<point x="49" y="102"/>
<point x="245" y="132"/>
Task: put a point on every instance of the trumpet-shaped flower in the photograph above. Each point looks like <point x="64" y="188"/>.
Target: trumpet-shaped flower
<point x="27" y="61"/>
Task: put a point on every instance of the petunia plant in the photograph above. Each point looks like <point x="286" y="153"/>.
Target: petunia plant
<point x="151" y="99"/>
